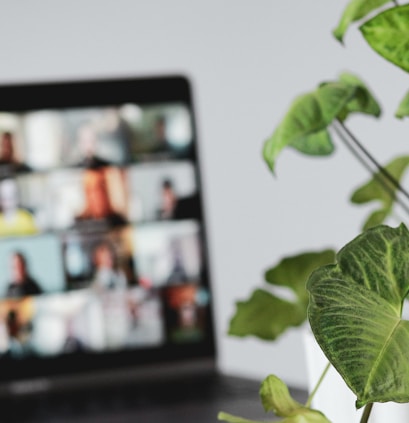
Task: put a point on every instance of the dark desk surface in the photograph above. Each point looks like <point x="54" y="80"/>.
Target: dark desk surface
<point x="196" y="400"/>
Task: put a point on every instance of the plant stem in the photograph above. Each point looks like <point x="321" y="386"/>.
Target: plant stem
<point x="354" y="152"/>
<point x="314" y="391"/>
<point x="383" y="176"/>
<point x="369" y="156"/>
<point x="366" y="165"/>
<point x="366" y="413"/>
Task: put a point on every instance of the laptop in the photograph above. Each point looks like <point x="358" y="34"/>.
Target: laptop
<point x="106" y="309"/>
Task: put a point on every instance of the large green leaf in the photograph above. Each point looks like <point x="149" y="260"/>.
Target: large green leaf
<point x="388" y="34"/>
<point x="374" y="190"/>
<point x="355" y="314"/>
<point x="266" y="315"/>
<point x="355" y="11"/>
<point x="305" y="125"/>
<point x="403" y="109"/>
<point x="276" y="397"/>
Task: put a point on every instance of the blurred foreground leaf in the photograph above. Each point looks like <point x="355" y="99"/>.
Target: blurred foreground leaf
<point x="266" y="315"/>
<point x="276" y="397"/>
<point x="374" y="191"/>
<point x="355" y="11"/>
<point x="305" y="126"/>
<point x="403" y="109"/>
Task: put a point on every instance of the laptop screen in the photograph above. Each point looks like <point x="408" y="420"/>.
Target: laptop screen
<point x="102" y="234"/>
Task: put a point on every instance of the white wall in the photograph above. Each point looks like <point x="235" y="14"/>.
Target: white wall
<point x="247" y="60"/>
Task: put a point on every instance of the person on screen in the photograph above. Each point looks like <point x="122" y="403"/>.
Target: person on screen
<point x="183" y="313"/>
<point x="18" y="335"/>
<point x="168" y="200"/>
<point x="107" y="274"/>
<point x="8" y="158"/>
<point x="87" y="140"/>
<point x="22" y="283"/>
<point x="161" y="143"/>
<point x="173" y="206"/>
<point x="97" y="200"/>
<point x="14" y="219"/>
<point x="116" y="135"/>
<point x="178" y="273"/>
<point x="72" y="343"/>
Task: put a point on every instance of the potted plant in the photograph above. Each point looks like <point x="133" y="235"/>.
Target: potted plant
<point x="354" y="298"/>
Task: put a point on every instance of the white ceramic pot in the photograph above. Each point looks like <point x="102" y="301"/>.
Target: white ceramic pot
<point x="335" y="399"/>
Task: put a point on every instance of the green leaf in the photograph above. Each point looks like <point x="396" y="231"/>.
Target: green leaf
<point x="317" y="144"/>
<point x="388" y="34"/>
<point x="266" y="315"/>
<point x="309" y="114"/>
<point x="272" y="148"/>
<point x="276" y="397"/>
<point x="355" y="314"/>
<point x="356" y="10"/>
<point x="305" y="126"/>
<point x="376" y="218"/>
<point x="403" y="109"/>
<point x="374" y="190"/>
<point x="294" y="271"/>
<point x="363" y="101"/>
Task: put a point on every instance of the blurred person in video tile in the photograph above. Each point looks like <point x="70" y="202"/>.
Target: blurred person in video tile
<point x="22" y="283"/>
<point x="116" y="135"/>
<point x="168" y="200"/>
<point x="178" y="273"/>
<point x="9" y="164"/>
<point x="14" y="219"/>
<point x="18" y="335"/>
<point x="173" y="206"/>
<point x="87" y="139"/>
<point x="97" y="200"/>
<point x="183" y="313"/>
<point x="108" y="274"/>
<point x="160" y="136"/>
<point x="161" y="142"/>
<point x="72" y="343"/>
